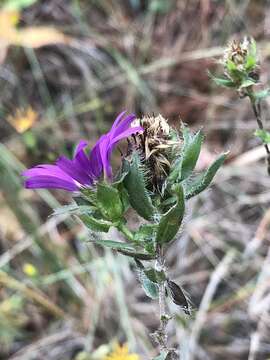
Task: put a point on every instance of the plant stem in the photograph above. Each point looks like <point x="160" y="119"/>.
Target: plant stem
<point x="162" y="337"/>
<point x="256" y="107"/>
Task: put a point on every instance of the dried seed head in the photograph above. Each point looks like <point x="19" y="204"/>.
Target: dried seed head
<point x="155" y="147"/>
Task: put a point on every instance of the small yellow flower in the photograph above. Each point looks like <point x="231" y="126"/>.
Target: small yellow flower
<point x="23" y="119"/>
<point x="30" y="269"/>
<point x="121" y="353"/>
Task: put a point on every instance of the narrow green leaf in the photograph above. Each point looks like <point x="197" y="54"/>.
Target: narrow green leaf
<point x="191" y="154"/>
<point x="95" y="224"/>
<point x="185" y="163"/>
<point x="250" y="62"/>
<point x="251" y="59"/>
<point x="117" y="245"/>
<point x="109" y="201"/>
<point x="224" y="82"/>
<point x="205" y="179"/>
<point x="136" y="188"/>
<point x="171" y="221"/>
<point x="72" y="209"/>
<point x="136" y="255"/>
<point x="246" y="83"/>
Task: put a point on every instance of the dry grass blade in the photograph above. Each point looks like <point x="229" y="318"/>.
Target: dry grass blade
<point x="217" y="276"/>
<point x="30" y="293"/>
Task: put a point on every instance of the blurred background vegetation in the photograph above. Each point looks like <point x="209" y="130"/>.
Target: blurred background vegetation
<point x="67" y="67"/>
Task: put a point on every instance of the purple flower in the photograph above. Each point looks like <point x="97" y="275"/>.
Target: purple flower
<point x="83" y="169"/>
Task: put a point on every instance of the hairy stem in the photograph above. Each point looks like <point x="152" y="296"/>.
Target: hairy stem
<point x="256" y="107"/>
<point x="162" y="337"/>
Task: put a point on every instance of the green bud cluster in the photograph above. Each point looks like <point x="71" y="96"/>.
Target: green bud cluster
<point x="241" y="73"/>
<point x="241" y="65"/>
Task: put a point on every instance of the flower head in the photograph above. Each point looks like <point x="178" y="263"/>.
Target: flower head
<point x="83" y="169"/>
<point x="121" y="353"/>
<point x="23" y="119"/>
<point x="155" y="147"/>
<point x="240" y="57"/>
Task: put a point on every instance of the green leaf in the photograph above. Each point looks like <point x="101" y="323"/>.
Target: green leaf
<point x="150" y="288"/>
<point x="246" y="83"/>
<point x="224" y="82"/>
<point x="251" y="59"/>
<point x="95" y="224"/>
<point x="234" y="72"/>
<point x="205" y="179"/>
<point x="87" y="195"/>
<point x="154" y="275"/>
<point x="190" y="152"/>
<point x="136" y="188"/>
<point x="191" y="155"/>
<point x="263" y="135"/>
<point x="171" y="221"/>
<point x="145" y="232"/>
<point x="136" y="255"/>
<point x="250" y="62"/>
<point x="117" y="245"/>
<point x="109" y="201"/>
<point x="230" y="65"/>
<point x="72" y="209"/>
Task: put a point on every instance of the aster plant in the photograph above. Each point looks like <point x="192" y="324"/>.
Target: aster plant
<point x="241" y="72"/>
<point x="156" y="179"/>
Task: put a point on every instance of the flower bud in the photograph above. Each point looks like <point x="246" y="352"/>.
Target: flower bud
<point x="240" y="60"/>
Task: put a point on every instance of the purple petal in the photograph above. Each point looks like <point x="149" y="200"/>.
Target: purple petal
<point x="95" y="158"/>
<point x="73" y="169"/>
<point x="46" y="170"/>
<point x="81" y="145"/>
<point x="124" y="125"/>
<point x="104" y="149"/>
<point x="49" y="182"/>
<point x="82" y="160"/>
<point x="126" y="134"/>
<point x="117" y="121"/>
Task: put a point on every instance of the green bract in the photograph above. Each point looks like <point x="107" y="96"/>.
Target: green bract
<point x="135" y="183"/>
<point x="109" y="202"/>
<point x="171" y="221"/>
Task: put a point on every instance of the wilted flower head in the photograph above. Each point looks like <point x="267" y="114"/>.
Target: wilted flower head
<point x="155" y="148"/>
<point x="83" y="169"/>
